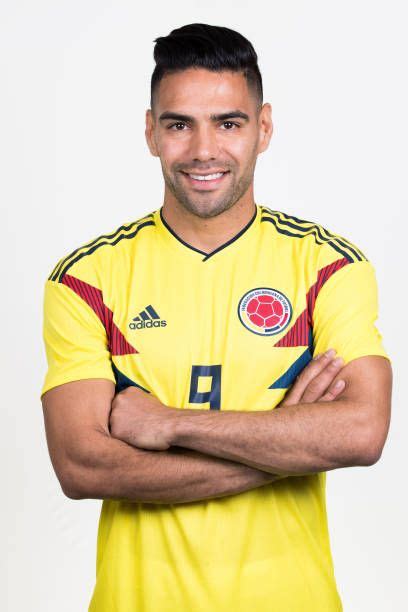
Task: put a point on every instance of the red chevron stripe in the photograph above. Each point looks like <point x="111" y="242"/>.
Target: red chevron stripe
<point x="298" y="334"/>
<point x="118" y="345"/>
<point x="323" y="276"/>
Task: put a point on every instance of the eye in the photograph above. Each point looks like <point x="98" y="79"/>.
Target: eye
<point x="229" y="125"/>
<point x="179" y="124"/>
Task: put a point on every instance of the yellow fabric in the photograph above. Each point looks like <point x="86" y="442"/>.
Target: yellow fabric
<point x="262" y="550"/>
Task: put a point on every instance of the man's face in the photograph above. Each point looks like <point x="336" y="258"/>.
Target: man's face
<point x="207" y="131"/>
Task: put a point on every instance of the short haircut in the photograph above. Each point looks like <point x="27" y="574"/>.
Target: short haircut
<point x="215" y="48"/>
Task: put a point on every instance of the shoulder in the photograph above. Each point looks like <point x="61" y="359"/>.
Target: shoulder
<point x="314" y="239"/>
<point x="99" y="250"/>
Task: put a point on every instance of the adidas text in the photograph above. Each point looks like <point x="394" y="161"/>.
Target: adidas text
<point x="143" y="324"/>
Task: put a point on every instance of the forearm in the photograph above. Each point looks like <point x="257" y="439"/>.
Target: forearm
<point x="112" y="469"/>
<point x="296" y="439"/>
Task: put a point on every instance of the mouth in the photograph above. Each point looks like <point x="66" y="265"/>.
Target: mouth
<point x="204" y="182"/>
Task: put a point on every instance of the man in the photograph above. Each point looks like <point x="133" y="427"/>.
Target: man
<point x="172" y="344"/>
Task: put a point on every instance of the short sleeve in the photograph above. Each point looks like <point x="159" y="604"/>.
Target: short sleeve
<point x="345" y="313"/>
<point x="75" y="339"/>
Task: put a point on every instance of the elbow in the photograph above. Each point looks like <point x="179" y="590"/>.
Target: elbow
<point x="72" y="493"/>
<point x="80" y="474"/>
<point x="370" y="456"/>
<point x="71" y="484"/>
<point x="370" y="447"/>
<point x="80" y="468"/>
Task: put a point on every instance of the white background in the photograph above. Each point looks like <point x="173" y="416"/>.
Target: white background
<point x="74" y="79"/>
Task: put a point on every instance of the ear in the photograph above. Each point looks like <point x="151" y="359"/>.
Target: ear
<point x="265" y="127"/>
<point x="149" y="133"/>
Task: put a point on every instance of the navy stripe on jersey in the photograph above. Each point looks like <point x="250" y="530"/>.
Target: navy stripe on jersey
<point x="325" y="231"/>
<point x="323" y="234"/>
<point x="289" y="376"/>
<point x="312" y="232"/>
<point x="123" y="381"/>
<point x="293" y="235"/>
<point x="340" y="239"/>
<point x="298" y="228"/>
<point x="305" y="226"/>
<point x="106" y="237"/>
<point x="60" y="275"/>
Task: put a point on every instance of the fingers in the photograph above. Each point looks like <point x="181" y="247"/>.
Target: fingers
<point x="322" y="381"/>
<point x="306" y="378"/>
<point x="333" y="391"/>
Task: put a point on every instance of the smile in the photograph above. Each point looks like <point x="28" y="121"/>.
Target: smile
<point x="204" y="181"/>
<point x="206" y="177"/>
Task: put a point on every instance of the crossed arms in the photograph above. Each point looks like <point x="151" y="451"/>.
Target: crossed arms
<point x="131" y="447"/>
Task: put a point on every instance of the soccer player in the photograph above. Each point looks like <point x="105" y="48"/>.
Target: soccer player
<point x="192" y="382"/>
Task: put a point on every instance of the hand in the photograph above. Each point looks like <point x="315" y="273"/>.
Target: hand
<point x="317" y="382"/>
<point x="140" y="419"/>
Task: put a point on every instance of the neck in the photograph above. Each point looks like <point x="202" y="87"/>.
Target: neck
<point x="207" y="234"/>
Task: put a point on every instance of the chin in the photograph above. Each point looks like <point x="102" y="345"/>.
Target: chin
<point x="205" y="210"/>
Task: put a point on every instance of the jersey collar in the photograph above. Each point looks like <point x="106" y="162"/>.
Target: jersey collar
<point x="173" y="240"/>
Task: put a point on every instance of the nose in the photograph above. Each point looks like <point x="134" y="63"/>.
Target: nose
<point x="204" y="145"/>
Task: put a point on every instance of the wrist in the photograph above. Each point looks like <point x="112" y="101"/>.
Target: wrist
<point x="181" y="425"/>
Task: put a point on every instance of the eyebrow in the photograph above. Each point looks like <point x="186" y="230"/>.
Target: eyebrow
<point x="235" y="114"/>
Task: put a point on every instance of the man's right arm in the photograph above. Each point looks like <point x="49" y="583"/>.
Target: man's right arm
<point x="91" y="463"/>
<point x="77" y="395"/>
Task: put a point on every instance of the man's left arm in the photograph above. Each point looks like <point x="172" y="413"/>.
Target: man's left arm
<point x="350" y="430"/>
<point x="305" y="437"/>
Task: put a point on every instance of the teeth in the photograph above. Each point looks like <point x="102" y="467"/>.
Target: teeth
<point x="206" y="177"/>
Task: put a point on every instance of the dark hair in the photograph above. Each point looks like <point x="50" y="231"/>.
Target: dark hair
<point x="200" y="45"/>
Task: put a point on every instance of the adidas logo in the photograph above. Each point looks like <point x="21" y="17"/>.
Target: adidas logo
<point x="147" y="318"/>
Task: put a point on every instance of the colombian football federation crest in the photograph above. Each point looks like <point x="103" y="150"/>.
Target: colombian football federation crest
<point x="264" y="311"/>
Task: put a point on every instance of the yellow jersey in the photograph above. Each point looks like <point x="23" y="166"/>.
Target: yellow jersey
<point x="227" y="330"/>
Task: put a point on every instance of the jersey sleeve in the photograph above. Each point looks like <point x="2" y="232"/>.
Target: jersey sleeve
<point x="75" y="339"/>
<point x="345" y="312"/>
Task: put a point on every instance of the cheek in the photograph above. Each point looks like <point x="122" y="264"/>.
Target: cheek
<point x="239" y="146"/>
<point x="242" y="151"/>
<point x="173" y="150"/>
